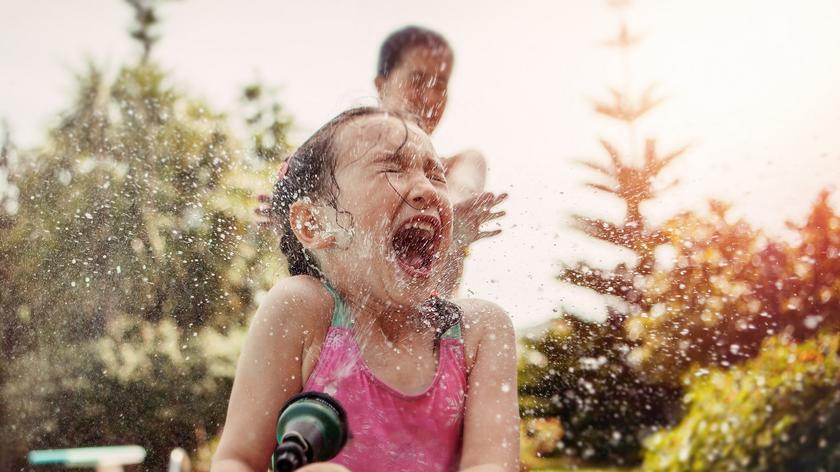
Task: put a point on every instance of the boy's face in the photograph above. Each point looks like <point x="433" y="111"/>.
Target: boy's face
<point x="418" y="84"/>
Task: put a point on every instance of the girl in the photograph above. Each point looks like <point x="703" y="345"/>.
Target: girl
<point x="365" y="220"/>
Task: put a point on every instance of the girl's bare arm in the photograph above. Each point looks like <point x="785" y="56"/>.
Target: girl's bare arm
<point x="268" y="374"/>
<point x="491" y="422"/>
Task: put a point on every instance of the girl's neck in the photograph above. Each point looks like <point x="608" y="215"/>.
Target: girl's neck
<point x="397" y="325"/>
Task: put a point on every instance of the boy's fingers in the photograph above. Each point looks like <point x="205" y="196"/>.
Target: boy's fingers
<point x="481" y="201"/>
<point x="489" y="200"/>
<point x="263" y="198"/>
<point x="493" y="216"/>
<point x="487" y="234"/>
<point x="500" y="199"/>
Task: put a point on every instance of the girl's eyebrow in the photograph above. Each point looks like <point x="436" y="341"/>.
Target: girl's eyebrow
<point x="387" y="156"/>
<point x="400" y="156"/>
<point x="396" y="155"/>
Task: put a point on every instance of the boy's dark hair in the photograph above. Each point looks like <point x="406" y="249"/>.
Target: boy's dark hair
<point x="401" y="41"/>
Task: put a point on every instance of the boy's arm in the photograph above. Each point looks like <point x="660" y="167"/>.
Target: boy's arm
<point x="466" y="173"/>
<point x="469" y="215"/>
<point x="268" y="373"/>
<point x="491" y="422"/>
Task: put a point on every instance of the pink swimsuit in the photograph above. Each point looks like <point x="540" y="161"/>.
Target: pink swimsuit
<point x="392" y="431"/>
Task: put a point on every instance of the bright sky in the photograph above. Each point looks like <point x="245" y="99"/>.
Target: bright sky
<point x="752" y="84"/>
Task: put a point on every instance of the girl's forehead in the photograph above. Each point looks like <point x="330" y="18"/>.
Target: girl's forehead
<point x="369" y="137"/>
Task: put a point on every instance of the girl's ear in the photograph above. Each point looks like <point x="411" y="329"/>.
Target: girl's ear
<point x="379" y="82"/>
<point x="307" y="226"/>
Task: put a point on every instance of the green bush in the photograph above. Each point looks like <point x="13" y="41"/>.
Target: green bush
<point x="778" y="411"/>
<point x="577" y="373"/>
<point x="139" y="384"/>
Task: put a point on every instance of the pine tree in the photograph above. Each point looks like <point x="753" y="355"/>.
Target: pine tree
<point x="582" y="373"/>
<point x="146" y="18"/>
<point x="632" y="183"/>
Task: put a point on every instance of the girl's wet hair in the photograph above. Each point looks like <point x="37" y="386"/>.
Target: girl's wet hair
<point x="404" y="39"/>
<point x="310" y="174"/>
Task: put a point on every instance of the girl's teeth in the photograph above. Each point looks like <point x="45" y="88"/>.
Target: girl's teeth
<point x="424" y="226"/>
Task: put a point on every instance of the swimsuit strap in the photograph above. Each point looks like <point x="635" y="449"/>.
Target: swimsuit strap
<point x="341" y="314"/>
<point x="454" y="332"/>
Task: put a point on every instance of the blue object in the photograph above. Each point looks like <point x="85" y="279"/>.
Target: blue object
<point x="89" y="456"/>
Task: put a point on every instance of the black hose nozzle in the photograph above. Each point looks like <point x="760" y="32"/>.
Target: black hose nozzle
<point x="311" y="427"/>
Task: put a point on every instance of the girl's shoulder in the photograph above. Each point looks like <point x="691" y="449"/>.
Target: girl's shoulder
<point x="482" y="320"/>
<point x="301" y="301"/>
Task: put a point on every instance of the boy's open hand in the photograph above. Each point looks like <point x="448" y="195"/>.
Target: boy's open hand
<point x="471" y="213"/>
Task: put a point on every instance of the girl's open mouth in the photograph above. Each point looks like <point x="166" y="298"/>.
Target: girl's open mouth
<point x="415" y="245"/>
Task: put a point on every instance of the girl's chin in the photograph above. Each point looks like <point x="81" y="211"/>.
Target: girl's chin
<point x="412" y="291"/>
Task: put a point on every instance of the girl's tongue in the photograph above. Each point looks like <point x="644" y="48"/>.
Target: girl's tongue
<point x="414" y="248"/>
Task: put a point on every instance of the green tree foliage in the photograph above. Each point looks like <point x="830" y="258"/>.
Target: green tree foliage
<point x="577" y="372"/>
<point x="129" y="263"/>
<point x="140" y="383"/>
<point x="267" y="121"/>
<point x="139" y="204"/>
<point x="730" y="287"/>
<point x="139" y="207"/>
<point x="778" y="411"/>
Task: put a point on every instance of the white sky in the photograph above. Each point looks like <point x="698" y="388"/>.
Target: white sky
<point x="752" y="84"/>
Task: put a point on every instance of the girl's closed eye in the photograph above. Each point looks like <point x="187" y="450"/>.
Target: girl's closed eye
<point x="391" y="164"/>
<point x="392" y="169"/>
<point x="436" y="175"/>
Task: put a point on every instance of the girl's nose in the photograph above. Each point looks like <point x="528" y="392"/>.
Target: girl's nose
<point x="422" y="194"/>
